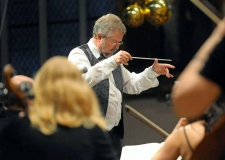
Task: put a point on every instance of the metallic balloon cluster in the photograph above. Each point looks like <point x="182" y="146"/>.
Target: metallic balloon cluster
<point x="156" y="12"/>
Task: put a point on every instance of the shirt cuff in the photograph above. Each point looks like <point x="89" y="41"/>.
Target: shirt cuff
<point x="111" y="62"/>
<point x="150" y="73"/>
<point x="108" y="65"/>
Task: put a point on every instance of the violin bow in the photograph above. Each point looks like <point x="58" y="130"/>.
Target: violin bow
<point x="146" y="121"/>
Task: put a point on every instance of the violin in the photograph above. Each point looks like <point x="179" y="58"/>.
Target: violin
<point x="212" y="147"/>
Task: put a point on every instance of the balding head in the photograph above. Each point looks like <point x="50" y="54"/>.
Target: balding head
<point x="18" y="79"/>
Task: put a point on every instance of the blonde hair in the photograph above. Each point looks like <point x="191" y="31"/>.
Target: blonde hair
<point x="63" y="97"/>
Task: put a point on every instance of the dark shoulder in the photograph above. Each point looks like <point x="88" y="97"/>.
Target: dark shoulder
<point x="15" y="124"/>
<point x="97" y="132"/>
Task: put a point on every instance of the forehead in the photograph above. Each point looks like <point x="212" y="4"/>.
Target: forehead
<point x="117" y="35"/>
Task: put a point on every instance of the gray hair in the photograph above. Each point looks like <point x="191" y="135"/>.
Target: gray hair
<point x="107" y="24"/>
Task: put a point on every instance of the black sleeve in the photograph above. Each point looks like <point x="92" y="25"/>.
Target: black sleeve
<point x="11" y="140"/>
<point x="214" y="68"/>
<point x="105" y="150"/>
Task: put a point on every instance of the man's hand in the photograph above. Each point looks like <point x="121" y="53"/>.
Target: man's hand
<point x="162" y="68"/>
<point x="122" y="57"/>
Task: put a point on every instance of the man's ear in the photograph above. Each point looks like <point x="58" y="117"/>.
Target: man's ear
<point x="99" y="36"/>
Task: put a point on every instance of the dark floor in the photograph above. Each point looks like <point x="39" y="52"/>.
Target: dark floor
<point x="156" y="110"/>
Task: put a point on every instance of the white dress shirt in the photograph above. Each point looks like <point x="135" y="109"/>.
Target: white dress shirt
<point x="132" y="83"/>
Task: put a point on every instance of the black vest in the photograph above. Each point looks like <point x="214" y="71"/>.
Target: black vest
<point x="102" y="88"/>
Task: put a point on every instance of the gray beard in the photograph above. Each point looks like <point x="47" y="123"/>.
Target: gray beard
<point x="107" y="54"/>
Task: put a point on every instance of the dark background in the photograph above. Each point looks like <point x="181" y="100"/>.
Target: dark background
<point x="34" y="30"/>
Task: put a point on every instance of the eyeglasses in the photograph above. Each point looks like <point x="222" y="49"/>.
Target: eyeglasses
<point x="113" y="42"/>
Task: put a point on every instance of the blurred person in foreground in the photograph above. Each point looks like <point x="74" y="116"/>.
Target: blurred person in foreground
<point x="187" y="135"/>
<point x="177" y="144"/>
<point x="197" y="88"/>
<point x="63" y="122"/>
<point x="11" y="107"/>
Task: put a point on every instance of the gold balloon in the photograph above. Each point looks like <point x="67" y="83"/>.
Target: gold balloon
<point x="133" y="15"/>
<point x="139" y="2"/>
<point x="156" y="11"/>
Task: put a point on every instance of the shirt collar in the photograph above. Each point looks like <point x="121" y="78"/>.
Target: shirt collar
<point x="93" y="48"/>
